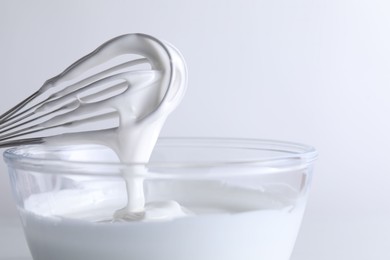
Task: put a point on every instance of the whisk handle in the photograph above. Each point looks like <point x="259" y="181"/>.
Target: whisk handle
<point x="26" y="141"/>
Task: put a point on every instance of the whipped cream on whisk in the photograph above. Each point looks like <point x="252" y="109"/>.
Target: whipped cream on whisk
<point x="139" y="93"/>
<point x="150" y="95"/>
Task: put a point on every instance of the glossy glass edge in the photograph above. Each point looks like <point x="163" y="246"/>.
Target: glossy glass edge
<point x="302" y="154"/>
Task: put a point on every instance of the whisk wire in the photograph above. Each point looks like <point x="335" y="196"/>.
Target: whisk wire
<point x="18" y="107"/>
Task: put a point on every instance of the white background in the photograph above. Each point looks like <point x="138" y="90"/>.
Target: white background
<point x="315" y="72"/>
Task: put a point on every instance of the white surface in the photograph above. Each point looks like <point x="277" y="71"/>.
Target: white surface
<point x="315" y="72"/>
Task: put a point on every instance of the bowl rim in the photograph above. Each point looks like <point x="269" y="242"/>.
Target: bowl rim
<point x="298" y="155"/>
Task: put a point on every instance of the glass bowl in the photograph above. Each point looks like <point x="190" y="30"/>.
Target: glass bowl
<point x="203" y="198"/>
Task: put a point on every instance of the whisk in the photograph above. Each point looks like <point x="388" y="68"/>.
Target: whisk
<point x="133" y="73"/>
